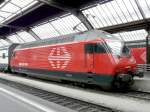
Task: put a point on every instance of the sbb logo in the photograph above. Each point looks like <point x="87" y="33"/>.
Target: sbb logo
<point x="59" y="57"/>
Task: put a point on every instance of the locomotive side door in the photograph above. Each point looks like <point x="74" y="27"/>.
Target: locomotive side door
<point x="89" y="56"/>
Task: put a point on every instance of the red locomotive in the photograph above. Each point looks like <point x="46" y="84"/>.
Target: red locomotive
<point x="93" y="57"/>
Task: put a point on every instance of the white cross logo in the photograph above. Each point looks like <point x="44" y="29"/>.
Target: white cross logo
<point x="59" y="57"/>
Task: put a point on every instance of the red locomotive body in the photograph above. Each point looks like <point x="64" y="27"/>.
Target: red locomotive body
<point x="93" y="57"/>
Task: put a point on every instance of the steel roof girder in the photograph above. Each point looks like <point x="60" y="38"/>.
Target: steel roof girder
<point x="83" y="19"/>
<point x="130" y="26"/>
<point x="32" y="33"/>
<point x="72" y="10"/>
<point x="8" y="40"/>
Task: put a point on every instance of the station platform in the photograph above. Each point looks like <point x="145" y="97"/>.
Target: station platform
<point x="105" y="99"/>
<point x="142" y="84"/>
<point x="13" y="100"/>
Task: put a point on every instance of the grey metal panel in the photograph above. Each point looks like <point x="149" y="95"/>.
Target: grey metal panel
<point x="130" y="26"/>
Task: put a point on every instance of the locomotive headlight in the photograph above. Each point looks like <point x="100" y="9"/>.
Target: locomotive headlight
<point x="128" y="67"/>
<point x="133" y="60"/>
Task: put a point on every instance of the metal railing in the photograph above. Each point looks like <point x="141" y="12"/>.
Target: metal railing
<point x="143" y="67"/>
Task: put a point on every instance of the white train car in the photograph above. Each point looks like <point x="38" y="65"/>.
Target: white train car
<point x="5" y="55"/>
<point x="4" y="58"/>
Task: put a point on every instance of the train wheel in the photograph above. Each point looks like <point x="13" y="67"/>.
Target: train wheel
<point x="123" y="81"/>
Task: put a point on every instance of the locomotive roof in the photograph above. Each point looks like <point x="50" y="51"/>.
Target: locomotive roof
<point x="93" y="34"/>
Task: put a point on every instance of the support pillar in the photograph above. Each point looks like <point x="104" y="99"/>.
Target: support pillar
<point x="76" y="12"/>
<point x="148" y="47"/>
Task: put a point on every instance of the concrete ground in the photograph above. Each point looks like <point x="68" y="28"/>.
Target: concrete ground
<point x="111" y="100"/>
<point x="13" y="100"/>
<point x="10" y="104"/>
<point x="142" y="84"/>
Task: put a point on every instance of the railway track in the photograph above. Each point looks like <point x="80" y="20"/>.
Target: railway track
<point x="77" y="105"/>
<point x="138" y="94"/>
<point x="130" y="93"/>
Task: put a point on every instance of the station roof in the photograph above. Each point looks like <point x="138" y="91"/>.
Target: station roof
<point x="126" y="19"/>
<point x="19" y="14"/>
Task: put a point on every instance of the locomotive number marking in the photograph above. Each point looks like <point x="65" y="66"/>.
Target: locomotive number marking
<point x="23" y="64"/>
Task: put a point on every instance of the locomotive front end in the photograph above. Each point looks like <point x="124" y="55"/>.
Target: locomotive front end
<point x="125" y="64"/>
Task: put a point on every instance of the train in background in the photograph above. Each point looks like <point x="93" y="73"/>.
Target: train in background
<point x="5" y="56"/>
<point x="92" y="57"/>
<point x="139" y="55"/>
<point x="138" y="50"/>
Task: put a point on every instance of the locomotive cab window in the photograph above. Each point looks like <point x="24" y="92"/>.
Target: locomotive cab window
<point x="100" y="48"/>
<point x="95" y="48"/>
<point x="89" y="48"/>
<point x="115" y="47"/>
